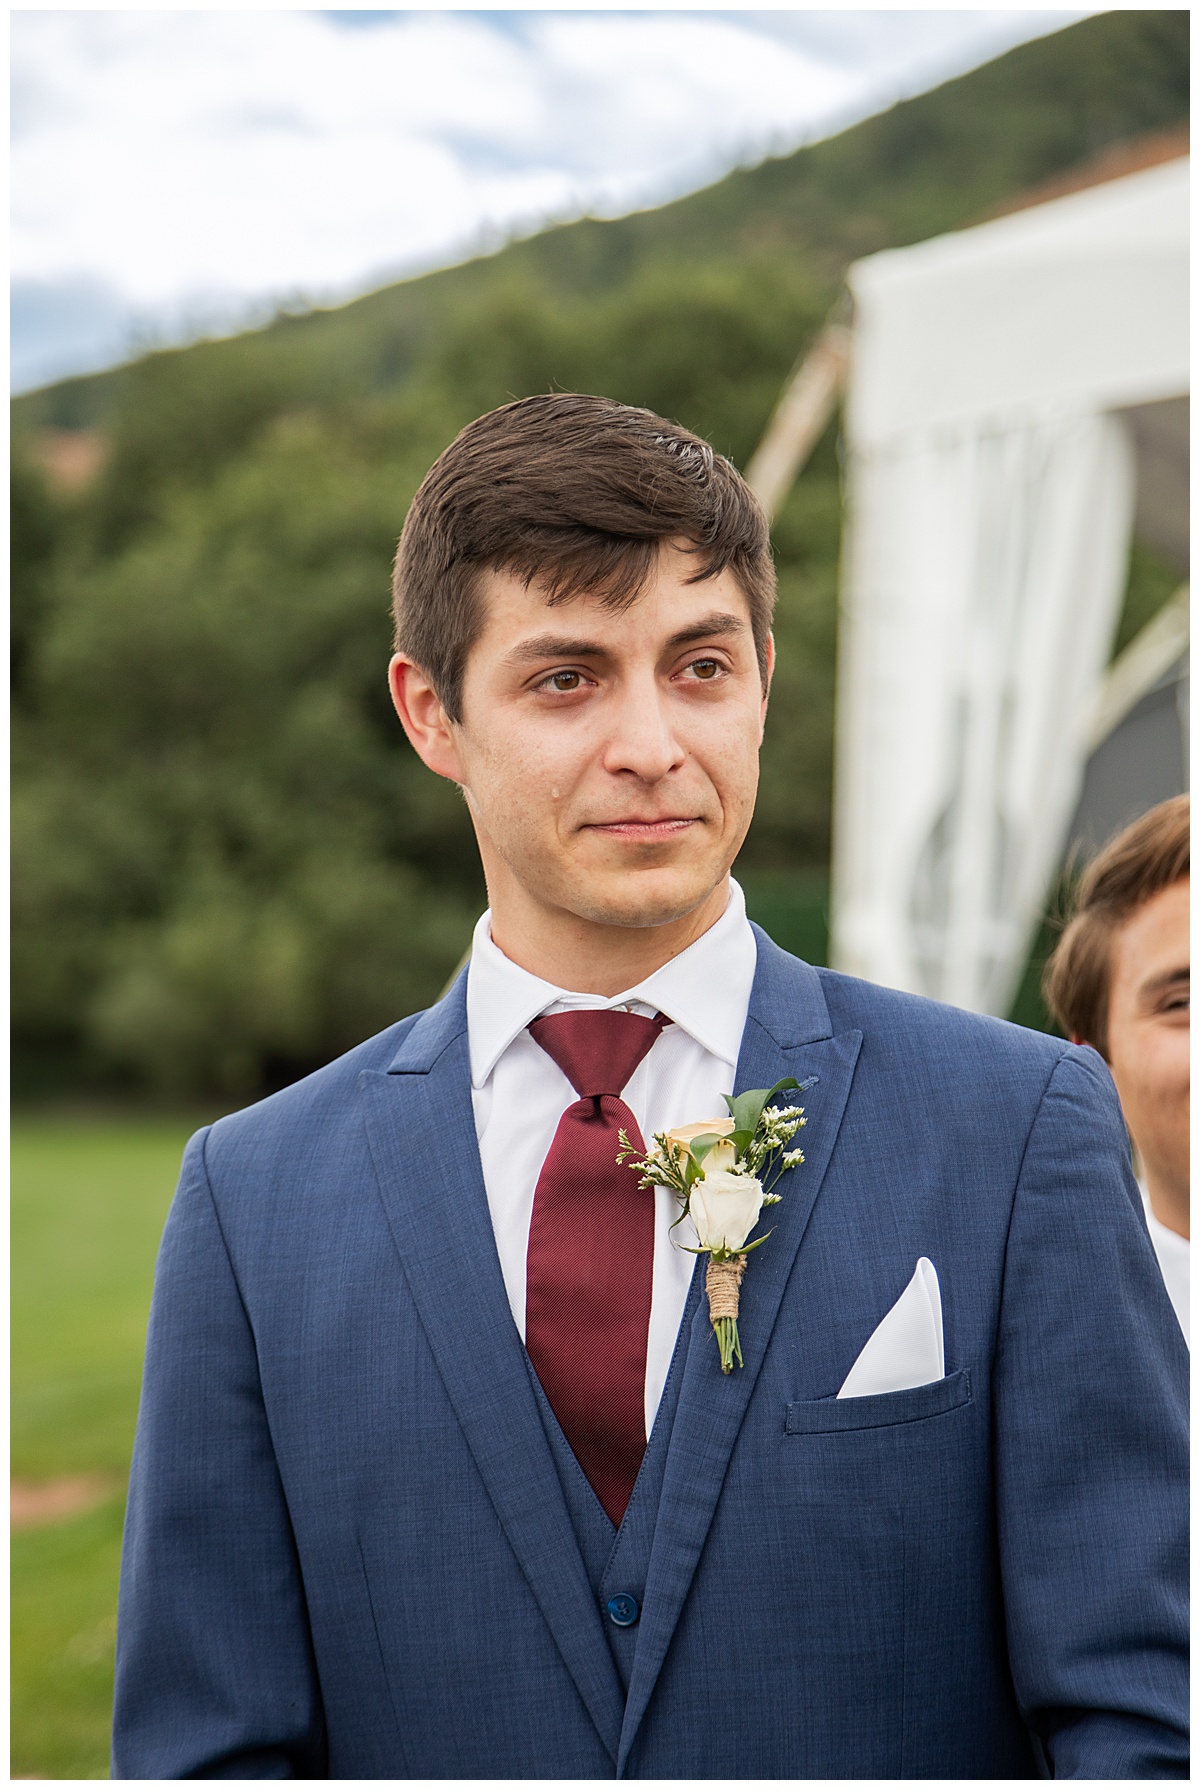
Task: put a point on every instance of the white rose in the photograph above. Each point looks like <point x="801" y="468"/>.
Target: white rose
<point x="724" y="1207"/>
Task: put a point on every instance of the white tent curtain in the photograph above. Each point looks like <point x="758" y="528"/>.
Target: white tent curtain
<point x="990" y="516"/>
<point x="987" y="575"/>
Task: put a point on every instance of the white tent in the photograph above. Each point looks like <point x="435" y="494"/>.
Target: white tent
<point x="1004" y="383"/>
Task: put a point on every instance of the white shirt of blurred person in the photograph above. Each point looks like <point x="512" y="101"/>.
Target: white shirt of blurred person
<point x="1119" y="980"/>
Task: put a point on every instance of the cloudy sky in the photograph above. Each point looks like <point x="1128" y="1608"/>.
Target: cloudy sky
<point x="176" y="171"/>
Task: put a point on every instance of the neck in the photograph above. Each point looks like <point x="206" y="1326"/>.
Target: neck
<point x="586" y="957"/>
<point x="1169" y="1201"/>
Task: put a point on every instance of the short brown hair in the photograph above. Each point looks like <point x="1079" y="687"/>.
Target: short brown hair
<point x="576" y="493"/>
<point x="1140" y="862"/>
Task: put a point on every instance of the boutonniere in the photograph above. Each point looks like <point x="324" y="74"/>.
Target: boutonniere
<point x="723" y="1172"/>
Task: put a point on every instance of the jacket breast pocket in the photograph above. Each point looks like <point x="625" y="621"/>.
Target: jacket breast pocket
<point x="828" y="1416"/>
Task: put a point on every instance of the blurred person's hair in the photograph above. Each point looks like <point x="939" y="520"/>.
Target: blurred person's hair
<point x="575" y="494"/>
<point x="1140" y="862"/>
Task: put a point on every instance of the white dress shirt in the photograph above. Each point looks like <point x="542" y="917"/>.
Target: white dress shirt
<point x="1175" y="1260"/>
<point x="520" y="1093"/>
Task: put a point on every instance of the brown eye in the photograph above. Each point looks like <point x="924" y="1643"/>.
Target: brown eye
<point x="565" y="680"/>
<point x="705" y="668"/>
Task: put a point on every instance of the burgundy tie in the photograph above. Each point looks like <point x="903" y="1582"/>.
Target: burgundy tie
<point x="590" y="1265"/>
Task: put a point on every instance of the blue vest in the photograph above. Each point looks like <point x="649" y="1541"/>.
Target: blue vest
<point x="617" y="1560"/>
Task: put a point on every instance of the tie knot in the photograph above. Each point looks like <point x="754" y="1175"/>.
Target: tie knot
<point x="597" y="1049"/>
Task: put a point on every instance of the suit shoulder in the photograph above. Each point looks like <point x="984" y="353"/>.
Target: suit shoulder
<point x="316" y="1099"/>
<point x="890" y="1018"/>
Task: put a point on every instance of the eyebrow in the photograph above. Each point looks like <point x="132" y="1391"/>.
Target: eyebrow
<point x="717" y="623"/>
<point x="1169" y="979"/>
<point x="569" y="646"/>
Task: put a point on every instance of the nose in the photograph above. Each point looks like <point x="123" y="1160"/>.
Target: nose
<point x="642" y="742"/>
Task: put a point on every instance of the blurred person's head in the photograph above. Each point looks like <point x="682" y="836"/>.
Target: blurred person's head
<point x="1119" y="980"/>
<point x="583" y="600"/>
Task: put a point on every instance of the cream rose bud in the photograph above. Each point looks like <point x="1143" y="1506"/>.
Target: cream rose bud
<point x="724" y="1207"/>
<point x="683" y="1134"/>
<point x="721" y="1155"/>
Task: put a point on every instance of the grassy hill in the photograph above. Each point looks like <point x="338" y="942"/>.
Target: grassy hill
<point x="228" y="864"/>
<point x="927" y="165"/>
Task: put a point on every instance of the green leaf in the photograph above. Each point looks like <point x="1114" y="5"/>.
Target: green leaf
<point x="757" y="1244"/>
<point x="700" y="1146"/>
<point x="746" y="1109"/>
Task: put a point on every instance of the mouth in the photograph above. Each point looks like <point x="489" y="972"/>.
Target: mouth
<point x="644" y="831"/>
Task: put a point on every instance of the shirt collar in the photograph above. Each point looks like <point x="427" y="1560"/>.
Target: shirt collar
<point x="705" y="990"/>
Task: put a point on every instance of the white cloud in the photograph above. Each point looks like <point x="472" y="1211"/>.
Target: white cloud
<point x="193" y="162"/>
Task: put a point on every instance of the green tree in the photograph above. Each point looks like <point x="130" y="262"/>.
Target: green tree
<point x="228" y="865"/>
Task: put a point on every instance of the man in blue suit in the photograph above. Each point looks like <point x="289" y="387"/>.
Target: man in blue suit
<point x="437" y="1472"/>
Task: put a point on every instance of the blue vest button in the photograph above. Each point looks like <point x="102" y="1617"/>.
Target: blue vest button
<point x="623" y="1609"/>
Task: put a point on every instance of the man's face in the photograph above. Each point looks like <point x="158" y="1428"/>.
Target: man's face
<point x="610" y="758"/>
<point x="1148" y="1032"/>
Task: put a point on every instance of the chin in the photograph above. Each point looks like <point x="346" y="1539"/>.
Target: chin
<point x="635" y="898"/>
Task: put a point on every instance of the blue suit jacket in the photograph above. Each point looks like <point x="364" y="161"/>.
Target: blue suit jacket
<point x="348" y="1552"/>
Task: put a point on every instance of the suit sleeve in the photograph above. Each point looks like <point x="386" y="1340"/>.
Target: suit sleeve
<point x="215" y="1676"/>
<point x="1090" y="1414"/>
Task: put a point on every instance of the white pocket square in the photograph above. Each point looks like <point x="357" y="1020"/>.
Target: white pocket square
<point x="906" y="1349"/>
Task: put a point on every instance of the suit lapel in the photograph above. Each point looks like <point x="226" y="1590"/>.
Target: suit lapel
<point x="421" y="1131"/>
<point x="787" y="1033"/>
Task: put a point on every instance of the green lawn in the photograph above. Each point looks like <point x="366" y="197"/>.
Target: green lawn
<point x="88" y="1202"/>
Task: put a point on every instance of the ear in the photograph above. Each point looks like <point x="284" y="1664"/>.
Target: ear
<point x="430" y="731"/>
<point x="770" y="675"/>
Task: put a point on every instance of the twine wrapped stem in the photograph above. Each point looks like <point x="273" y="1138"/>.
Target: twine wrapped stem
<point x="723" y="1286"/>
